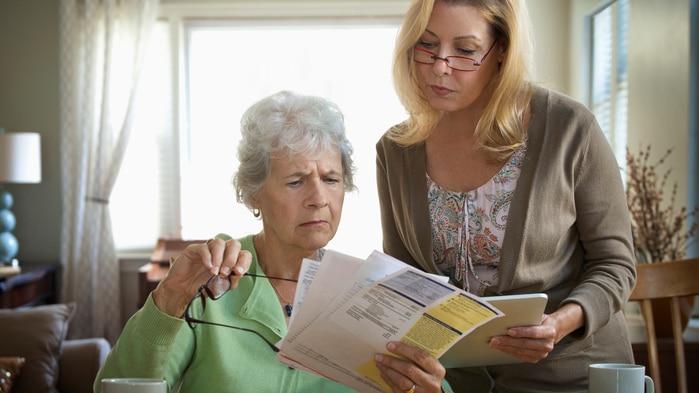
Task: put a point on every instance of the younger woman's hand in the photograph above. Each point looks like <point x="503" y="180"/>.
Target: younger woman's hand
<point x="528" y="343"/>
<point x="534" y="343"/>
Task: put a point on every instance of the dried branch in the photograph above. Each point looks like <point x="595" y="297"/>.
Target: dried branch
<point x="659" y="230"/>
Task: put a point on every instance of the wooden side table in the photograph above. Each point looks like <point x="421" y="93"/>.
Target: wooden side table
<point x="36" y="284"/>
<point x="149" y="276"/>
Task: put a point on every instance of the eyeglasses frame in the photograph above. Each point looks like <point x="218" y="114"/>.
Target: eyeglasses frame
<point x="446" y="58"/>
<point x="193" y="322"/>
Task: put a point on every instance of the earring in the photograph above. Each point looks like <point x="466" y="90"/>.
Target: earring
<point x="256" y="212"/>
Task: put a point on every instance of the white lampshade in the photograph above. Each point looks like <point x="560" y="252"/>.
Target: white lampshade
<point x="20" y="157"/>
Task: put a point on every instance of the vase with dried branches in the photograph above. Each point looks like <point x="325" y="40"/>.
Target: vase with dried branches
<point x="661" y="231"/>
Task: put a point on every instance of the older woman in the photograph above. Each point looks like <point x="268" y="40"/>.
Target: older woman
<point x="295" y="168"/>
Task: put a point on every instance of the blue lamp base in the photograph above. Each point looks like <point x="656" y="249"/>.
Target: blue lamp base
<point x="8" y="242"/>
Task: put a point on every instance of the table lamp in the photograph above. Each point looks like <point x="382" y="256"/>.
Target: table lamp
<point x="20" y="162"/>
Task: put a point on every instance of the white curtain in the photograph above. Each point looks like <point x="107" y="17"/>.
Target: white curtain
<point x="102" y="43"/>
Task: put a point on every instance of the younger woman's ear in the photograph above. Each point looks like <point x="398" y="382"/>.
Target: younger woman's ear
<point x="502" y="51"/>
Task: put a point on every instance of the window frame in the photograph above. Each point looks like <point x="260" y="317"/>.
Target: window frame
<point x="616" y="130"/>
<point x="178" y="15"/>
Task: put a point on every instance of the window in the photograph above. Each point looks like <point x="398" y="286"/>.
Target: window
<point x="176" y="176"/>
<point x="143" y="202"/>
<point x="607" y="28"/>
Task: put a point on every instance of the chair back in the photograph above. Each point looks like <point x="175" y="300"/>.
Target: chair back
<point x="666" y="280"/>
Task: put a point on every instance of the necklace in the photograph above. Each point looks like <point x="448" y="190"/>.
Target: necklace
<point x="287" y="308"/>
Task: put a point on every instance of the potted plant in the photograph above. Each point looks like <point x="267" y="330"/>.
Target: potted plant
<point x="661" y="232"/>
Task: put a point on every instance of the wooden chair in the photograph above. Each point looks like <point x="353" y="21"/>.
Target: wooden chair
<point x="666" y="280"/>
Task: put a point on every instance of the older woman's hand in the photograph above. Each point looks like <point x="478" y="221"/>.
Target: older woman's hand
<point x="192" y="268"/>
<point x="422" y="373"/>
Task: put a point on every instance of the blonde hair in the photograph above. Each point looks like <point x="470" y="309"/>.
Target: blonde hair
<point x="500" y="129"/>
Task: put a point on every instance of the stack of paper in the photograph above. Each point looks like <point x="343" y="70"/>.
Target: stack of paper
<point x="348" y="309"/>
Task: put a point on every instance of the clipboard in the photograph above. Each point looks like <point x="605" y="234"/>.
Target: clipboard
<point x="473" y="350"/>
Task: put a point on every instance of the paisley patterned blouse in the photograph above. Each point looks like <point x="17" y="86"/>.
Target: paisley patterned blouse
<point x="474" y="267"/>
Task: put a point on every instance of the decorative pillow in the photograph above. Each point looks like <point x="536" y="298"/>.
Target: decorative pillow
<point x="10" y="368"/>
<point x="36" y="334"/>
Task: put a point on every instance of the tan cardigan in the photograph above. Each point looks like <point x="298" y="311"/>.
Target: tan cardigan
<point x="568" y="235"/>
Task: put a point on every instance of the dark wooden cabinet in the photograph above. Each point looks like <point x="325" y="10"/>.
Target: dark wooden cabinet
<point x="36" y="284"/>
<point x="149" y="276"/>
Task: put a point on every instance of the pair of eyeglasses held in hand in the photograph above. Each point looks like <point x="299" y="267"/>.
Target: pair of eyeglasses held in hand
<point x="214" y="289"/>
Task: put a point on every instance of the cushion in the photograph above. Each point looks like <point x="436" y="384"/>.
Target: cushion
<point x="37" y="335"/>
<point x="10" y="368"/>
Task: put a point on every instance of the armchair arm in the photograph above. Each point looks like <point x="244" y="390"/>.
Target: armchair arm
<point x="80" y="363"/>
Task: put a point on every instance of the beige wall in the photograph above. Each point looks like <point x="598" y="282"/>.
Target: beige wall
<point x="658" y="86"/>
<point x="552" y="34"/>
<point x="29" y="102"/>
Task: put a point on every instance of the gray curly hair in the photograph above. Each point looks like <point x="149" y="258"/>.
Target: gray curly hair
<point x="292" y="124"/>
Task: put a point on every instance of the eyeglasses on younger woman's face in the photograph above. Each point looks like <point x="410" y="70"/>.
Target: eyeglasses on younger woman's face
<point x="214" y="289"/>
<point x="459" y="63"/>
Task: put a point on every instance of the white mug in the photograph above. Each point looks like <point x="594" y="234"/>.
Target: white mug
<point x="133" y="385"/>
<point x="619" y="378"/>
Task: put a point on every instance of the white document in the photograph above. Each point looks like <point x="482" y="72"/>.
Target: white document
<point x="353" y="308"/>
